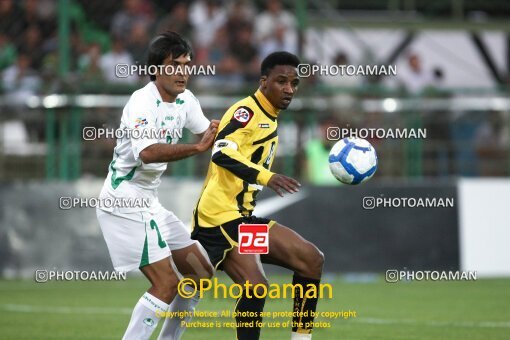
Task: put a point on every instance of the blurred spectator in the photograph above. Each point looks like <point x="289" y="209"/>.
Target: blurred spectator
<point x="138" y="42"/>
<point x="30" y="14"/>
<point x="206" y="16"/>
<point x="117" y="56"/>
<point x="277" y="42"/>
<point x="439" y="152"/>
<point x="146" y="8"/>
<point x="240" y="14"/>
<point x="177" y="21"/>
<point x="20" y="81"/>
<point x="35" y="15"/>
<point x="102" y="12"/>
<point x="32" y="42"/>
<point x="124" y="20"/>
<point x="7" y="51"/>
<point x="47" y="9"/>
<point x="341" y="58"/>
<point x="275" y="18"/>
<point x="78" y="47"/>
<point x="227" y="66"/>
<point x="89" y="65"/>
<point x="220" y="49"/>
<point x="50" y="62"/>
<point x="317" y="155"/>
<point x="416" y="79"/>
<point x="246" y="54"/>
<point x="491" y="143"/>
<point x="10" y="23"/>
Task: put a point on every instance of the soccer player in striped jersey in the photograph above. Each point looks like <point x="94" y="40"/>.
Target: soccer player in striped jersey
<point x="242" y="155"/>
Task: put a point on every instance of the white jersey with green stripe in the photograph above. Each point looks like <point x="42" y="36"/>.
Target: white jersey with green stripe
<point x="146" y="120"/>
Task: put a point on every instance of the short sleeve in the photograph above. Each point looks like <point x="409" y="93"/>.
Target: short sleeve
<point x="140" y="116"/>
<point x="196" y="122"/>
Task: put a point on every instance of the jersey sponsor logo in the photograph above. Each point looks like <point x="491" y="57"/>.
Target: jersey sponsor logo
<point x="264" y="126"/>
<point x="140" y="122"/>
<point x="253" y="238"/>
<point x="243" y="115"/>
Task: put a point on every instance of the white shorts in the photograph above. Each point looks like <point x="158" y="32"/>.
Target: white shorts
<point x="137" y="239"/>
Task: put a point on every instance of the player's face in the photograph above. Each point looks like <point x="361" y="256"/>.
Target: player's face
<point x="173" y="79"/>
<point x="280" y="85"/>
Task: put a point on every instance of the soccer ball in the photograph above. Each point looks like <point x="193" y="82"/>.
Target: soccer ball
<point x="352" y="160"/>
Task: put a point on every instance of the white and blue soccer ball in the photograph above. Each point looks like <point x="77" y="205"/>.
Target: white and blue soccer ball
<point x="352" y="160"/>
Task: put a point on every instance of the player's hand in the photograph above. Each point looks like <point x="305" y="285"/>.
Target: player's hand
<point x="208" y="138"/>
<point x="279" y="183"/>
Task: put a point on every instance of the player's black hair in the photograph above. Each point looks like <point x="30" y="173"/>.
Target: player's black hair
<point x="165" y="45"/>
<point x="278" y="58"/>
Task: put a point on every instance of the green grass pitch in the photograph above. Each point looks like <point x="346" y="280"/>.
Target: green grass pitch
<point x="415" y="310"/>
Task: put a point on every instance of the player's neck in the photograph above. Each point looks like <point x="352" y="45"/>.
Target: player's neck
<point x="165" y="96"/>
<point x="266" y="104"/>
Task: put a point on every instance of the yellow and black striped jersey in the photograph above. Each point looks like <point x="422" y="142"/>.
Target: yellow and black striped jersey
<point x="241" y="160"/>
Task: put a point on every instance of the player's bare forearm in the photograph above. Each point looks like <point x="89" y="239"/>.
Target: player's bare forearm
<point x="162" y="153"/>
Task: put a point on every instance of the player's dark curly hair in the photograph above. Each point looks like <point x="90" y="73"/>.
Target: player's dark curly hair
<point x="165" y="45"/>
<point x="278" y="58"/>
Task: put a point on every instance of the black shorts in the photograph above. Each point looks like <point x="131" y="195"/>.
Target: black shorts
<point x="218" y="241"/>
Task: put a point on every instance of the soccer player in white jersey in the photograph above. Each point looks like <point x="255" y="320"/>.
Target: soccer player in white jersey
<point x="146" y="238"/>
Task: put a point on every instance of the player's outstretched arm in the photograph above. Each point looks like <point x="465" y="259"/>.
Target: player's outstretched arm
<point x="279" y="182"/>
<point x="159" y="153"/>
<point x="226" y="155"/>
